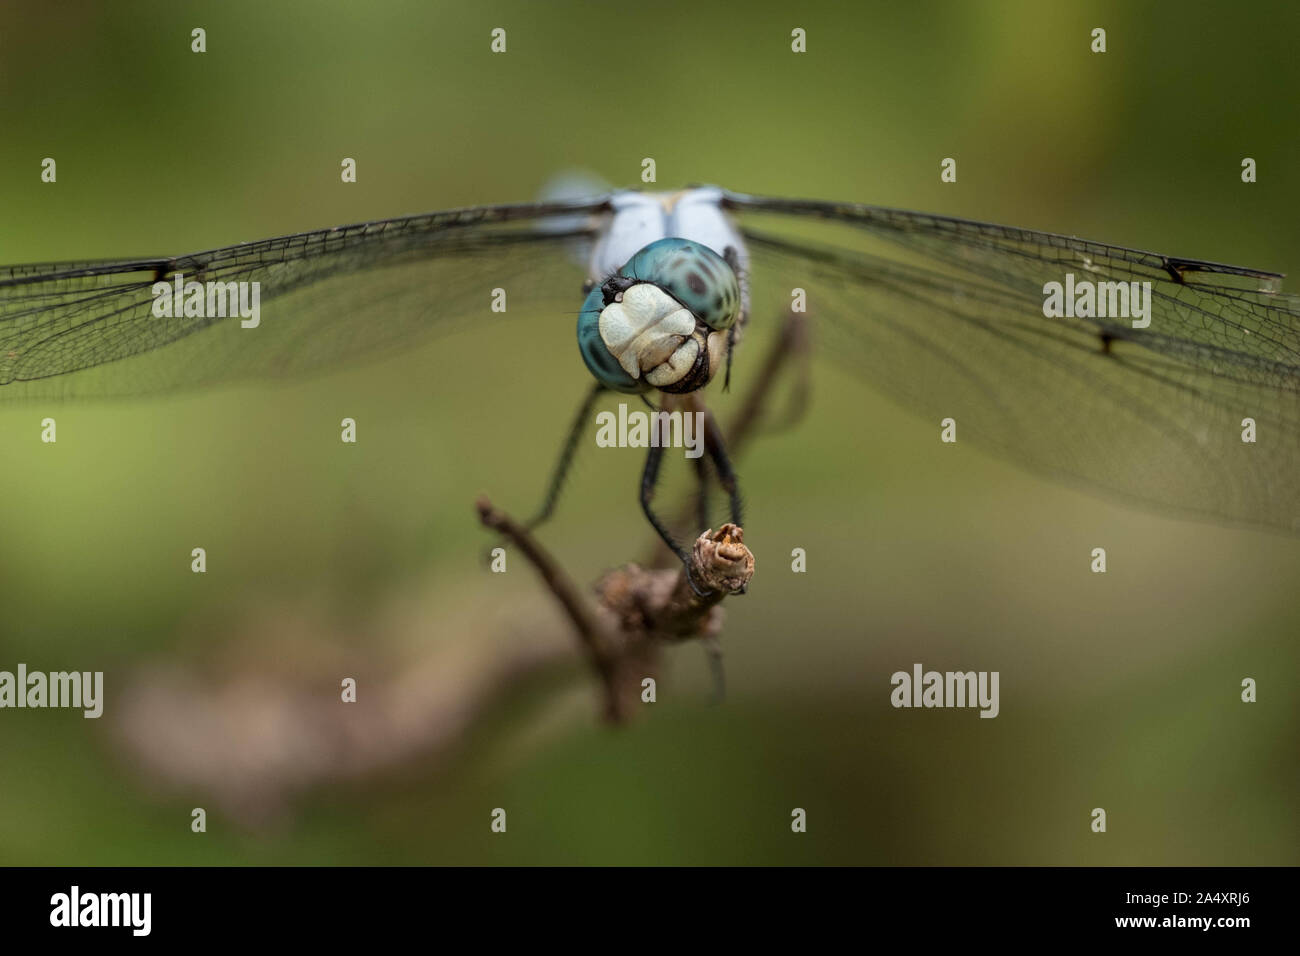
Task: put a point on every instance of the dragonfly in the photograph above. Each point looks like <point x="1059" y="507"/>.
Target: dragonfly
<point x="1188" y="401"/>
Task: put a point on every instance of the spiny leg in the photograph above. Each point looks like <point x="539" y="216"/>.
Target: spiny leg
<point x="712" y="645"/>
<point x="561" y="470"/>
<point x="717" y="450"/>
<point x="702" y="493"/>
<point x="649" y="479"/>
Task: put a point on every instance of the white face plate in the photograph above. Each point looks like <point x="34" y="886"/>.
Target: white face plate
<point x="645" y="329"/>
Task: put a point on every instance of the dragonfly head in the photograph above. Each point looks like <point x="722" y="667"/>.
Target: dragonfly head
<point x="662" y="321"/>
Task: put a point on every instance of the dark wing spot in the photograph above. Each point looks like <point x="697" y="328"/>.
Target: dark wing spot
<point x="695" y="282"/>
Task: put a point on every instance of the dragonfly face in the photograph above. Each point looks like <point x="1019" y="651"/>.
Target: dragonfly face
<point x="663" y="296"/>
<point x="947" y="316"/>
<point x="665" y="318"/>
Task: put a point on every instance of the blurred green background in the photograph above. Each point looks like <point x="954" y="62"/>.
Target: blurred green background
<point x="1119" y="691"/>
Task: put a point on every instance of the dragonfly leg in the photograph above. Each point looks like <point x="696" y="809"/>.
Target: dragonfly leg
<point x="717" y="450"/>
<point x="702" y="494"/>
<point x="561" y="470"/>
<point x="649" y="479"/>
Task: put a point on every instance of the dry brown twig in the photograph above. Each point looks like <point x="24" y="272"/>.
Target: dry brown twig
<point x="638" y="609"/>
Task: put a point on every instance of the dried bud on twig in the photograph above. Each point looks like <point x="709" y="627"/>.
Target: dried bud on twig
<point x="722" y="560"/>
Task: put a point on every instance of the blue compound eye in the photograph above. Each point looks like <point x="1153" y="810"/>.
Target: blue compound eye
<point x="595" y="354"/>
<point x="694" y="275"/>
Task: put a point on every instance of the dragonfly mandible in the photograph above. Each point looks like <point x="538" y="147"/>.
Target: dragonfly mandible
<point x="950" y="317"/>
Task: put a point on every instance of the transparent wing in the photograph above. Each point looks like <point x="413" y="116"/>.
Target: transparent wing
<point x="946" y="316"/>
<point x="326" y="297"/>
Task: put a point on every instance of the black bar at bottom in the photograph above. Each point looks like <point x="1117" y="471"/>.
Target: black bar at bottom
<point x="324" y="904"/>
